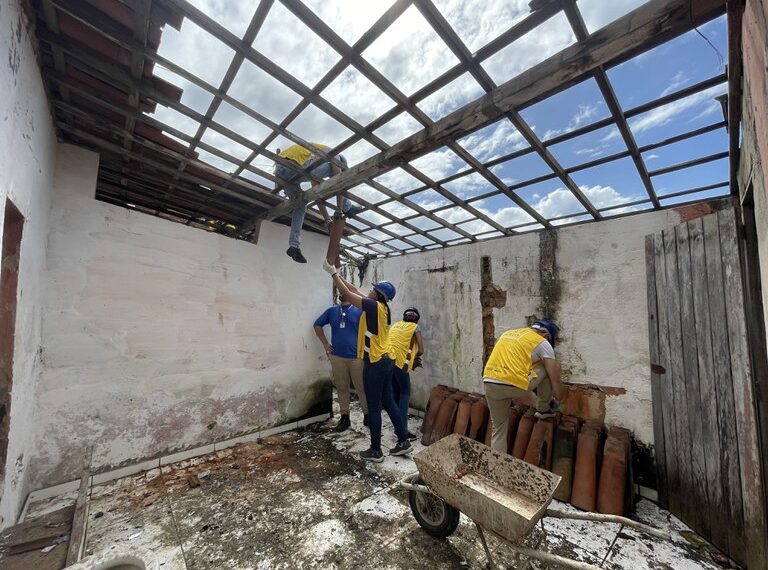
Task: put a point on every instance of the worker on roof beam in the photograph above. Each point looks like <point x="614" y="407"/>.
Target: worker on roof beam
<point x="309" y="167"/>
<point x="522" y="369"/>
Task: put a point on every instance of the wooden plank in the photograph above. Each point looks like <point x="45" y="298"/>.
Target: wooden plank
<point x="744" y="398"/>
<point x="734" y="69"/>
<point x="80" y="518"/>
<point x="654" y="21"/>
<point x="667" y="400"/>
<point x="726" y="420"/>
<point x="47" y="527"/>
<point x="53" y="560"/>
<point x="656" y="375"/>
<point x="699" y="498"/>
<point x="676" y="371"/>
<point x="707" y="393"/>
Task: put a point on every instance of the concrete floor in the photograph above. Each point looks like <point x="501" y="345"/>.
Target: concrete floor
<point x="303" y="500"/>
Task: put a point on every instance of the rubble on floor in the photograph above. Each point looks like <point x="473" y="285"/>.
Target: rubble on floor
<point x="304" y="499"/>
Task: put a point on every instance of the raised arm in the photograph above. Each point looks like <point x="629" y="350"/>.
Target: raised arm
<point x="348" y="292"/>
<point x="352" y="287"/>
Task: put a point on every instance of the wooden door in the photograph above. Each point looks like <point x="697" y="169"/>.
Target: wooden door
<point x="705" y="430"/>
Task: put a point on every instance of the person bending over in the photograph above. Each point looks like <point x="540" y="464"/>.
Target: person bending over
<point x="522" y="369"/>
<point x="304" y="159"/>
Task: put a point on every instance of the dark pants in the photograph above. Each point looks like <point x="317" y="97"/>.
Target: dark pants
<point x="401" y="387"/>
<point x="377" y="381"/>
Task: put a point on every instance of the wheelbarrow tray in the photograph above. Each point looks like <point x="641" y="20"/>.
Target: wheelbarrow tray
<point x="497" y="491"/>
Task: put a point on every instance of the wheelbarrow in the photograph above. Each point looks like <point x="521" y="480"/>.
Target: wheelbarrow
<point x="501" y="494"/>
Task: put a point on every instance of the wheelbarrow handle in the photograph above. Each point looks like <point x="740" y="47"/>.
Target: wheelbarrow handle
<point x="595" y="517"/>
<point x="408" y="484"/>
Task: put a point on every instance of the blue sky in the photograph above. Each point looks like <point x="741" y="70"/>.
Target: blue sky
<point x="410" y="54"/>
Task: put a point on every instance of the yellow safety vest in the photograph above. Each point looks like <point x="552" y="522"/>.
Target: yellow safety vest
<point x="402" y="339"/>
<point x="373" y="346"/>
<point x="299" y="154"/>
<point x="511" y="360"/>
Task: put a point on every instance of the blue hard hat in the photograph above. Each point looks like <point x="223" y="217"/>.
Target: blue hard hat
<point x="385" y="288"/>
<point x="551" y="328"/>
<point x="412" y="310"/>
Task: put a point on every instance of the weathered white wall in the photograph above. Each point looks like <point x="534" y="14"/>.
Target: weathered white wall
<point x="158" y="337"/>
<point x="601" y="307"/>
<point x="26" y="169"/>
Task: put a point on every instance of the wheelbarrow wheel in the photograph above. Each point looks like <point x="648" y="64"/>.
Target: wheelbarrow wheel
<point x="435" y="516"/>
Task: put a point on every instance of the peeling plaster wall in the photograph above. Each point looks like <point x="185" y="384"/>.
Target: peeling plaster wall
<point x="591" y="280"/>
<point x="26" y="169"/>
<point x="159" y="337"/>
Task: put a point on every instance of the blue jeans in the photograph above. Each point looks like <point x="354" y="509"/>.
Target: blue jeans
<point x="401" y="387"/>
<point x="294" y="191"/>
<point x="377" y="381"/>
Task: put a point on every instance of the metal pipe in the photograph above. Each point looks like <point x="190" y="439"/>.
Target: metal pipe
<point x="595" y="517"/>
<point x="553" y="558"/>
<point x="406" y="483"/>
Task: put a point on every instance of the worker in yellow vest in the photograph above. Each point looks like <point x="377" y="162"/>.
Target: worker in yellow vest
<point x="303" y="160"/>
<point x="407" y="347"/>
<point x="374" y="349"/>
<point x="522" y="369"/>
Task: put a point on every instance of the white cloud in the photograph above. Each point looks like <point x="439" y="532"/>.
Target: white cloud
<point x="662" y="115"/>
<point x="679" y="80"/>
<point x="458" y="92"/>
<point x="491" y="142"/>
<point x="582" y="116"/>
<point x="598" y="13"/>
<point x="410" y="53"/>
<point x="558" y="202"/>
<point x="368" y="101"/>
<point x="285" y="40"/>
<point x="235" y="16"/>
<point x="350" y="19"/>
<point x="197" y="51"/>
<point x="439" y="163"/>
<point x="592" y="152"/>
<point x="548" y="39"/>
<point x="403" y="125"/>
<point x="489" y="19"/>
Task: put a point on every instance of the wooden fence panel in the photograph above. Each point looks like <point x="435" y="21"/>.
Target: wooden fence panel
<point x="705" y="424"/>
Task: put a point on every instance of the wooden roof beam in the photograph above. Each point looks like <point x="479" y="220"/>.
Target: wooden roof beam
<point x="654" y="21"/>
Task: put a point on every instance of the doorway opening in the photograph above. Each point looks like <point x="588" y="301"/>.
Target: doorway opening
<point x="13" y="224"/>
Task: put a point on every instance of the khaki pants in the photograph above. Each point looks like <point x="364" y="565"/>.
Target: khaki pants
<point x="346" y="370"/>
<point x="501" y="396"/>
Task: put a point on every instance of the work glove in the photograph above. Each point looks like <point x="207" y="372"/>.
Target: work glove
<point x="417" y="362"/>
<point x="554" y="405"/>
<point x="328" y="268"/>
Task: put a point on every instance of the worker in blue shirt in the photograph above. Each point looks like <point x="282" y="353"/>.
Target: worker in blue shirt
<point x="343" y="319"/>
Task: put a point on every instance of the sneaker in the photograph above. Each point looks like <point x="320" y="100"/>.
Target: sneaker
<point x="403" y="448"/>
<point x="365" y="420"/>
<point x="412" y="437"/>
<point x="295" y="254"/>
<point x="353" y="211"/>
<point x="343" y="424"/>
<point x="370" y="455"/>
